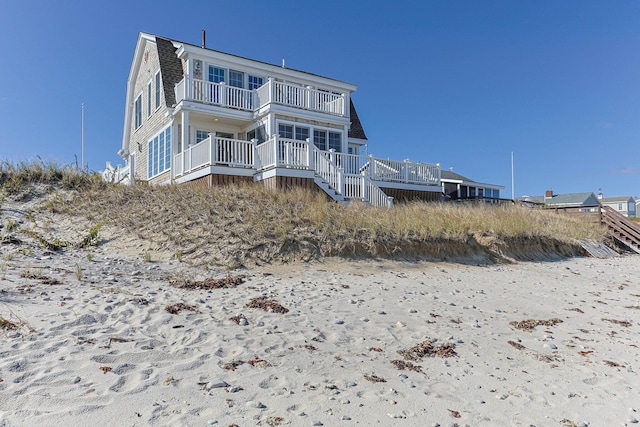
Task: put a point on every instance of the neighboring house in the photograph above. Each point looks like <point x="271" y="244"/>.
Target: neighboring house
<point x="625" y="205"/>
<point x="585" y="202"/>
<point x="456" y="186"/>
<point x="195" y="114"/>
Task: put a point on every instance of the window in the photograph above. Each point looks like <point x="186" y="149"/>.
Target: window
<point x="285" y="131"/>
<point x="335" y="141"/>
<point x="138" y="111"/>
<point x="157" y="90"/>
<point x="320" y="139"/>
<point x="159" y="153"/>
<point x="149" y="99"/>
<point x="255" y="82"/>
<point x="216" y="75"/>
<point x="620" y="207"/>
<point x="236" y="78"/>
<point x="302" y="134"/>
<point x="201" y="135"/>
<point x="258" y="133"/>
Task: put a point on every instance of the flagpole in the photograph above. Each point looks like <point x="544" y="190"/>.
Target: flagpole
<point x="513" y="193"/>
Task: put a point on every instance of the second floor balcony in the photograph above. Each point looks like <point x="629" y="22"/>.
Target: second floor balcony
<point x="272" y="92"/>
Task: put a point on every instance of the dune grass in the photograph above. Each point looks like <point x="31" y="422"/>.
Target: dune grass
<point x="240" y="225"/>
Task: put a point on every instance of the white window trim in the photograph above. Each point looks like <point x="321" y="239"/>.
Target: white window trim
<point x="135" y="115"/>
<point x="150" y="140"/>
<point x="227" y="69"/>
<point x="158" y="92"/>
<point x="150" y="110"/>
<point x="313" y="128"/>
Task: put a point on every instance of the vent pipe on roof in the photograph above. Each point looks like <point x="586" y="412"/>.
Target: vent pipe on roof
<point x="204" y="39"/>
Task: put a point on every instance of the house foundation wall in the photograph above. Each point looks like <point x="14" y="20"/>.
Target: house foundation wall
<point x="216" y="180"/>
<point x="288" y="182"/>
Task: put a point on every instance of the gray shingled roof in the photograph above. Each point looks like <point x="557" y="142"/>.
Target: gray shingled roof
<point x="170" y="69"/>
<point x="356" y="131"/>
<point x="616" y="199"/>
<point x="454" y="176"/>
<point x="569" y="199"/>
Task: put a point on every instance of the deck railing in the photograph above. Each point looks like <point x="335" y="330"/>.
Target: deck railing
<point x="352" y="176"/>
<point x="215" y="151"/>
<point x="215" y="94"/>
<point x="272" y="91"/>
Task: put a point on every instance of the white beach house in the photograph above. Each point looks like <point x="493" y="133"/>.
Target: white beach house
<point x="195" y="114"/>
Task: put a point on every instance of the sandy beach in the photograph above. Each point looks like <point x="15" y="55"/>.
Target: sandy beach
<point x="100" y="336"/>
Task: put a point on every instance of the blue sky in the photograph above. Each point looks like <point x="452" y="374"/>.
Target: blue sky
<point x="455" y="82"/>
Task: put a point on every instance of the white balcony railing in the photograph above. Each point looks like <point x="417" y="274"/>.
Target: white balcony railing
<point x="352" y="176"/>
<point x="272" y="91"/>
<point x="214" y="151"/>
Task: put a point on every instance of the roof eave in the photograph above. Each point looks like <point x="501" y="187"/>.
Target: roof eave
<point x="186" y="48"/>
<point x="133" y="72"/>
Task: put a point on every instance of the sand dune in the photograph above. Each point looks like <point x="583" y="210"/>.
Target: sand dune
<point x="87" y="340"/>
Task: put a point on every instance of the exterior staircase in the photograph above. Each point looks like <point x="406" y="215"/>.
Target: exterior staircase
<point x="345" y="188"/>
<point x="621" y="228"/>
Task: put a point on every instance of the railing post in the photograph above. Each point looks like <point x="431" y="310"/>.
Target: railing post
<point x="308" y="97"/>
<point x="212" y="159"/>
<point x="340" y="181"/>
<point x="223" y="94"/>
<point x="276" y="150"/>
<point x="254" y="153"/>
<point x="271" y="90"/>
<point x="365" y="189"/>
<point x="406" y="170"/>
<point x="372" y="165"/>
<point x="310" y="158"/>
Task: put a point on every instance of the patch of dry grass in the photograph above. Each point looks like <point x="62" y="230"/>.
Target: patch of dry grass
<point x="240" y="225"/>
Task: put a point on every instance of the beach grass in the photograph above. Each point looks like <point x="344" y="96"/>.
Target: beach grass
<point x="239" y="224"/>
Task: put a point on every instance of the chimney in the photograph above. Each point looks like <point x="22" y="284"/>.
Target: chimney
<point x="600" y="195"/>
<point x="548" y="194"/>
<point x="204" y="39"/>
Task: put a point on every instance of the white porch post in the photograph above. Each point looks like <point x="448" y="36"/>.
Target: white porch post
<point x="212" y="150"/>
<point x="371" y="166"/>
<point x="345" y="140"/>
<point x="308" y="99"/>
<point x="223" y="94"/>
<point x="365" y="189"/>
<point x="276" y="156"/>
<point x="256" y="161"/>
<point x="406" y="170"/>
<point x="185" y="138"/>
<point x="310" y="156"/>
<point x="270" y="100"/>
